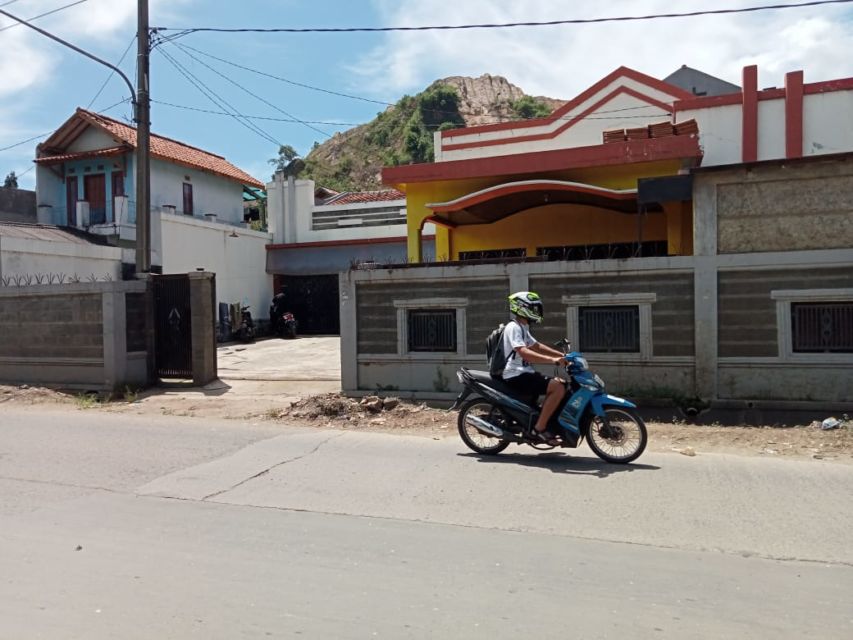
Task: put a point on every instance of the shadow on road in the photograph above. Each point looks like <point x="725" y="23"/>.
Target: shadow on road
<point x="562" y="463"/>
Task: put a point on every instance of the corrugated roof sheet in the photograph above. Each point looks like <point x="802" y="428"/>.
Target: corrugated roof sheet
<point x="363" y="197"/>
<point x="49" y="233"/>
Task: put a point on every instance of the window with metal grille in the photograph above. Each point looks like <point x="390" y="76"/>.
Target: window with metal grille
<point x="609" y="329"/>
<point x="432" y="330"/>
<point x="818" y="327"/>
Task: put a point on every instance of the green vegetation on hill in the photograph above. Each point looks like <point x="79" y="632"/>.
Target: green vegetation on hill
<point x="402" y="134"/>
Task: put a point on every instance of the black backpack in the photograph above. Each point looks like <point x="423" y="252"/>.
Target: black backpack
<point x="495" y="355"/>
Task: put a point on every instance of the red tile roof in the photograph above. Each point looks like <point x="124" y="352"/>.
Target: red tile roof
<point x="168" y="149"/>
<point x="364" y="197"/>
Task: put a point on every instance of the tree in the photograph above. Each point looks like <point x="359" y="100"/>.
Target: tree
<point x="529" y="107"/>
<point x="11" y="181"/>
<point x="286" y="153"/>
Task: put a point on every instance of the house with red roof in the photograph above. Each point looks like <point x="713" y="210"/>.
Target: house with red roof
<point x="692" y="237"/>
<point x="86" y="180"/>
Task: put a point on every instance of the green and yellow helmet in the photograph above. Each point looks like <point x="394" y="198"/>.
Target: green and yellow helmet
<point x="527" y="304"/>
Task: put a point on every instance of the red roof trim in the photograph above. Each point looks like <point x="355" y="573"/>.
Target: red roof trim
<point x="709" y="102"/>
<point x="341" y="243"/>
<point x="553" y="134"/>
<point x="602" y="155"/>
<point x="841" y="84"/>
<point x="621" y="72"/>
<point x="523" y="187"/>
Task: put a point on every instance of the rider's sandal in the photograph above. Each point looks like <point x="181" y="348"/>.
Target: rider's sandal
<point x="547" y="437"/>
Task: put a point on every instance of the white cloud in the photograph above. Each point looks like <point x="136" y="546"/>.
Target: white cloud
<point x="29" y="59"/>
<point x="561" y="61"/>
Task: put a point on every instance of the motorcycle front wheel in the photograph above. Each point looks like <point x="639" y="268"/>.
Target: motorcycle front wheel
<point x="474" y="439"/>
<point x="619" y="437"/>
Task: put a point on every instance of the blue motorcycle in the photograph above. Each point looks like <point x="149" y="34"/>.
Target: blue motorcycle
<point x="495" y="416"/>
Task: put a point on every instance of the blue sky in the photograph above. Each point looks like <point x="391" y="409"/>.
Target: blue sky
<point x="41" y="83"/>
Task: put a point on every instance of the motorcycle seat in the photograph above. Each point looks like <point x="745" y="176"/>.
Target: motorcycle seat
<point x="484" y="377"/>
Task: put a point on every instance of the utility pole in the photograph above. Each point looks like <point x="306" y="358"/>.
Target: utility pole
<point x="143" y="144"/>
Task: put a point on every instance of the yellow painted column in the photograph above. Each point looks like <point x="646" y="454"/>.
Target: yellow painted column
<point x="673" y="227"/>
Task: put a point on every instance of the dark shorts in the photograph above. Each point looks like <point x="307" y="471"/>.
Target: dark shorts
<point x="529" y="384"/>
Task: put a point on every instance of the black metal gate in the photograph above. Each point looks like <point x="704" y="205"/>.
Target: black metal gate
<point x="314" y="300"/>
<point x="173" y="326"/>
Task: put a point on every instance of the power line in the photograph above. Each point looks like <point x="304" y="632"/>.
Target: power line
<point x="216" y="99"/>
<point x="254" y="95"/>
<point x="356" y="97"/>
<point x="109" y="77"/>
<point x="287" y="80"/>
<point x="42" y="15"/>
<point x="497" y="119"/>
<point x="270" y="118"/>
<point x="505" y="25"/>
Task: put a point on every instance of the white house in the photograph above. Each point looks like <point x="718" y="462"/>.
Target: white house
<point x="86" y="179"/>
<point x="317" y="233"/>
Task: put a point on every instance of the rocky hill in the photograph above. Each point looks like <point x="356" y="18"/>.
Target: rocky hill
<point x="403" y="133"/>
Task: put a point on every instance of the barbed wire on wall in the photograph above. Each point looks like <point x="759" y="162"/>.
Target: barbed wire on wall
<point x="47" y="279"/>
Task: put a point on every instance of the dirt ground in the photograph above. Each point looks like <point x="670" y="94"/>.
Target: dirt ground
<point x="295" y="404"/>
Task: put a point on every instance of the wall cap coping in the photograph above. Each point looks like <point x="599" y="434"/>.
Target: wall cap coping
<point x="431" y="302"/>
<point x="610" y="299"/>
<point x="822" y="295"/>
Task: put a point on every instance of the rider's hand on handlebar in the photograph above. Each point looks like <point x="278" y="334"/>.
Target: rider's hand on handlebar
<point x="559" y="361"/>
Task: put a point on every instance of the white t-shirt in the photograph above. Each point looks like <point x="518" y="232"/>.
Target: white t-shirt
<point x="516" y="335"/>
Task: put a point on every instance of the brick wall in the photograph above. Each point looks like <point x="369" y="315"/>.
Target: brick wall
<point x="52" y="326"/>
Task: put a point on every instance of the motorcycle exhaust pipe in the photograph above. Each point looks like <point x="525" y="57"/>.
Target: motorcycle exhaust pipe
<point x="485" y="427"/>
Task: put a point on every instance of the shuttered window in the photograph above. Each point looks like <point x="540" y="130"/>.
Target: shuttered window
<point x="432" y="330"/>
<point x="822" y="327"/>
<point x="609" y="329"/>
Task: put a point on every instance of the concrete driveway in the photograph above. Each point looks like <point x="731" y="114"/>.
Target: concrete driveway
<point x="308" y="358"/>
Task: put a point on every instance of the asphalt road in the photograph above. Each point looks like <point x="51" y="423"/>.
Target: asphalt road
<point x="119" y="527"/>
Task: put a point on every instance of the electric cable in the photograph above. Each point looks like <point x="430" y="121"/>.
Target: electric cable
<point x="254" y="95"/>
<point x="506" y="25"/>
<point x="216" y="99"/>
<point x="42" y="15"/>
<point x="112" y="73"/>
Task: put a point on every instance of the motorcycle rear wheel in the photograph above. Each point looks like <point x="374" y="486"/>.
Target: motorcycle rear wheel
<point x="474" y="439"/>
<point x="620" y="437"/>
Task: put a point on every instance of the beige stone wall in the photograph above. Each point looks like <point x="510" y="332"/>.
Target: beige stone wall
<point x="786" y="208"/>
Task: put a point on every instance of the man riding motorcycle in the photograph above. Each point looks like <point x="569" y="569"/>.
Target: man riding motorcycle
<point x="521" y="349"/>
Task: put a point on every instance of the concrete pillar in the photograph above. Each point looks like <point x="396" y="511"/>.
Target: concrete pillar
<point x="705" y="287"/>
<point x="518" y="279"/>
<point x="114" y="316"/>
<point x="349" y="333"/>
<point x="203" y="305"/>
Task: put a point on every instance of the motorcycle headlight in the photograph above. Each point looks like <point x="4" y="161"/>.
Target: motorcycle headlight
<point x="459" y="377"/>
<point x="598" y="379"/>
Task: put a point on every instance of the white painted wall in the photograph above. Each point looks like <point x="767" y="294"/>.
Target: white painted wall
<point x="828" y="123"/>
<point x="771" y="129"/>
<point x="238" y="262"/>
<point x="92" y="139"/>
<point x="720" y="132"/>
<point x="49" y="189"/>
<point x="211" y="193"/>
<point x="290" y="229"/>
<point x="23" y="256"/>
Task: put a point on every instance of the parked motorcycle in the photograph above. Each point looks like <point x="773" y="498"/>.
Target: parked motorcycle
<point x="246" y="331"/>
<point x="282" y="323"/>
<point x="287" y="325"/>
<point x="496" y="416"/>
